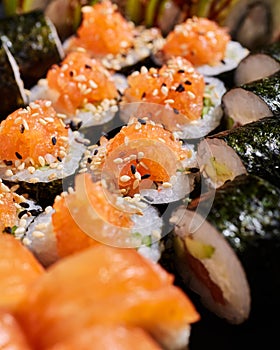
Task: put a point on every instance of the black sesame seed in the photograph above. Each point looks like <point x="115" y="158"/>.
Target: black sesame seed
<point x="22" y="128"/>
<point x="163" y="84"/>
<point x="194" y="170"/>
<point x="87" y="66"/>
<point x="89" y="160"/>
<point x="35" y="212"/>
<point x="142" y="121"/>
<point x="223" y="61"/>
<point x="20" y="214"/>
<point x="54" y="140"/>
<point x="180" y="88"/>
<point x="133" y="169"/>
<point x="143" y="95"/>
<point x="181" y="71"/>
<point x="145" y="176"/>
<point x="24" y="204"/>
<point x="8" y="162"/>
<point x="187" y="82"/>
<point x="71" y="73"/>
<point x="8" y="229"/>
<point x="175" y="110"/>
<point x="95" y="151"/>
<point x="59" y="159"/>
<point x="19" y="156"/>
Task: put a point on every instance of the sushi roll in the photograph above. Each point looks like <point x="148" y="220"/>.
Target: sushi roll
<point x="253" y="148"/>
<point x="91" y="215"/>
<point x="104" y="287"/>
<point x="143" y="159"/>
<point x="205" y="44"/>
<point x="227" y="245"/>
<point x="38" y="151"/>
<point x="11" y="84"/>
<point x="105" y="34"/>
<point x="258" y="64"/>
<point x="252" y="101"/>
<point x="81" y="88"/>
<point x="16" y="212"/>
<point x="177" y="96"/>
<point x="34" y="43"/>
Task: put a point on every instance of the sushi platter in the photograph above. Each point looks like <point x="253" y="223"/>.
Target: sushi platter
<point x="139" y="174"/>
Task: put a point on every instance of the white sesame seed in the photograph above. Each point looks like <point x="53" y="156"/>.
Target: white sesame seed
<point x="124" y="178"/>
<point x="166" y="185"/>
<point x="140" y="155"/>
<point x="137" y="175"/>
<point x="9" y="172"/>
<point x="42" y="161"/>
<point x="118" y="160"/>
<point x="31" y="169"/>
<point x="38" y="234"/>
<point x="34" y="180"/>
<point x="135" y="184"/>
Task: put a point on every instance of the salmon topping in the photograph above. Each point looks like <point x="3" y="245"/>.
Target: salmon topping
<point x="176" y="85"/>
<point x="34" y="136"/>
<point x="199" y="40"/>
<point x="104" y="30"/>
<point x="80" y="80"/>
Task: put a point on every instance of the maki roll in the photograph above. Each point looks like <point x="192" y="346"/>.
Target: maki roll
<point x="175" y="95"/>
<point x="91" y="215"/>
<point x="81" y="88"/>
<point x="16" y="212"/>
<point x="105" y="34"/>
<point x="34" y="43"/>
<point x="252" y="101"/>
<point x="11" y="84"/>
<point x="227" y="248"/>
<point x="38" y="151"/>
<point x="143" y="159"/>
<point x="253" y="148"/>
<point x="258" y="64"/>
<point x="205" y="44"/>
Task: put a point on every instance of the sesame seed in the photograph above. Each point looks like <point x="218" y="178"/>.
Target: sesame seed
<point x="49" y="119"/>
<point x="169" y="101"/>
<point x="42" y="121"/>
<point x="125" y="178"/>
<point x="38" y="234"/>
<point x="144" y="70"/>
<point x="9" y="172"/>
<point x="54" y="140"/>
<point x="137" y="175"/>
<point x="166" y="185"/>
<point x="19" y="156"/>
<point x="140" y="155"/>
<point x="118" y="160"/>
<point x="48" y="103"/>
<point x="31" y="169"/>
<point x="164" y="89"/>
<point x="41" y="161"/>
<point x="135" y="184"/>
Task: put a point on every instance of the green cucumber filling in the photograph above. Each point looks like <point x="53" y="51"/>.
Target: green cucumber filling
<point x="219" y="171"/>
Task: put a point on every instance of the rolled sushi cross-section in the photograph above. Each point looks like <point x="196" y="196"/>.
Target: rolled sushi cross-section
<point x="11" y="84"/>
<point x="38" y="151"/>
<point x="227" y="248"/>
<point x="106" y="34"/>
<point x="252" y="101"/>
<point x="205" y="44"/>
<point x="143" y="159"/>
<point x="34" y="43"/>
<point x="253" y="148"/>
<point x="16" y="212"/>
<point x="90" y="215"/>
<point x="258" y="64"/>
<point x="175" y="95"/>
<point x="81" y="88"/>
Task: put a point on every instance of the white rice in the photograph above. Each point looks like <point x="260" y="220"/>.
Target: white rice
<point x="234" y="54"/>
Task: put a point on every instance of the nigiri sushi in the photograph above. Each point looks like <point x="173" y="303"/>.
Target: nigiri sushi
<point x="106" y="286"/>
